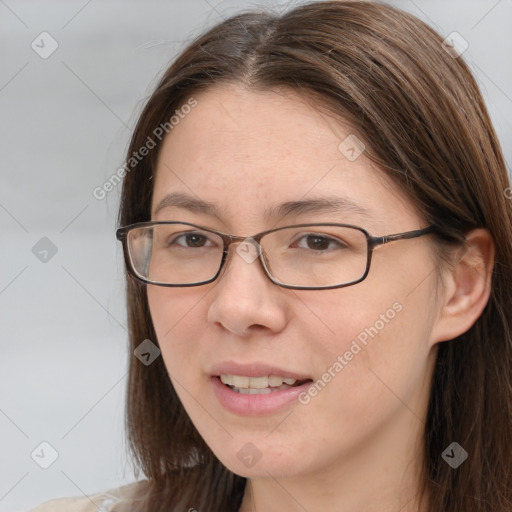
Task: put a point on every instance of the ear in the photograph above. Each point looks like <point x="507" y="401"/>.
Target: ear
<point x="467" y="286"/>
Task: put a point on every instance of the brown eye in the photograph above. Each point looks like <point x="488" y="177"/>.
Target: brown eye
<point x="190" y="240"/>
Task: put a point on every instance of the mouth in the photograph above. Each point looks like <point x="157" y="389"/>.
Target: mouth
<point x="261" y="385"/>
<point x="257" y="388"/>
<point x="259" y="395"/>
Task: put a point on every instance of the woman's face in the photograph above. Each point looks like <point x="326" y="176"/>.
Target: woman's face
<point x="367" y="349"/>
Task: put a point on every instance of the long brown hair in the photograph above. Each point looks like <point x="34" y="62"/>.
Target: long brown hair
<point x="423" y="120"/>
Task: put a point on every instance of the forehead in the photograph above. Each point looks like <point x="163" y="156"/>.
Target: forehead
<point x="246" y="152"/>
<point x="231" y="121"/>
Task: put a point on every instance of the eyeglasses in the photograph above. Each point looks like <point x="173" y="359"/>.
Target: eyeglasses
<point x="323" y="256"/>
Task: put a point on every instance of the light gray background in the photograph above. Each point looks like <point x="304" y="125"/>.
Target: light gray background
<point x="65" y="124"/>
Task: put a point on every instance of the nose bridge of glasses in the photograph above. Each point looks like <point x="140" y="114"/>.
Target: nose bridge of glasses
<point x="246" y="247"/>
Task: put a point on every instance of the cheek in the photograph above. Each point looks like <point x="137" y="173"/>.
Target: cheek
<point x="353" y="317"/>
<point x="377" y="346"/>
<point x="373" y="373"/>
<point x="176" y="322"/>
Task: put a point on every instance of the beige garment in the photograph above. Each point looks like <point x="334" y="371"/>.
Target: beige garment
<point x="107" y="501"/>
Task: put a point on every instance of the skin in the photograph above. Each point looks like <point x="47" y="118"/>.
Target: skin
<point x="357" y="446"/>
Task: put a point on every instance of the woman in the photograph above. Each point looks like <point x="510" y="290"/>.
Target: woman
<point x="318" y="363"/>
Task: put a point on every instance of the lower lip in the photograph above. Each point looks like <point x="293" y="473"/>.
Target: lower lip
<point x="256" y="405"/>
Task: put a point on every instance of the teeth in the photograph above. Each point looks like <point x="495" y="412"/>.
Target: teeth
<point x="251" y="391"/>
<point x="242" y="382"/>
<point x="264" y="391"/>
<point x="257" y="382"/>
<point x="274" y="381"/>
<point x="227" y="379"/>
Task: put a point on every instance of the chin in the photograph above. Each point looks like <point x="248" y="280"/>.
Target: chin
<point x="249" y="461"/>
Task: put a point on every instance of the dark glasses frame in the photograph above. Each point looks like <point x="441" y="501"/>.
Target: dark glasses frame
<point x="228" y="240"/>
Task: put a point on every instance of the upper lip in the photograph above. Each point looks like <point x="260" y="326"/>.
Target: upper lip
<point x="254" y="370"/>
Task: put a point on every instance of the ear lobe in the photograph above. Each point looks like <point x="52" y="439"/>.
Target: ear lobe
<point x="468" y="287"/>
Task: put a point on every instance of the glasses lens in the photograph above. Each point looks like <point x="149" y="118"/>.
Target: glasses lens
<point x="316" y="256"/>
<point x="174" y="253"/>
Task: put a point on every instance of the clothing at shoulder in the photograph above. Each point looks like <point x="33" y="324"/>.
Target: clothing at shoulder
<point x="101" y="502"/>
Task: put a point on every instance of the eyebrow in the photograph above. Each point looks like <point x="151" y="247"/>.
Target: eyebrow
<point x="325" y="204"/>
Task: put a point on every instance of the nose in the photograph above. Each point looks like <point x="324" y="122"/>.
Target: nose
<point x="244" y="298"/>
